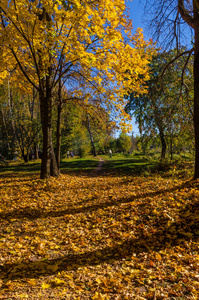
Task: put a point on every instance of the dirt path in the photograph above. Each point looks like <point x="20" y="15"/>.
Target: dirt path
<point x="101" y="162"/>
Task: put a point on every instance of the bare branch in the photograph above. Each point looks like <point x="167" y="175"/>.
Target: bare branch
<point x="175" y="58"/>
<point x="184" y="68"/>
<point x="23" y="71"/>
<point x="185" y="14"/>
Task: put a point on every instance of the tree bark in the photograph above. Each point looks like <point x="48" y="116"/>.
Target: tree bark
<point x="91" y="136"/>
<point x="171" y="147"/>
<point x="185" y="14"/>
<point x="49" y="164"/>
<point x="196" y="89"/>
<point x="163" y="143"/>
<point x="25" y="156"/>
<point x="159" y="124"/>
<point x="36" y="150"/>
<point x="58" y="144"/>
<point x="6" y="131"/>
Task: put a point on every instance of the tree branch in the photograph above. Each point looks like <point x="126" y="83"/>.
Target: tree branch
<point x="175" y="58"/>
<point x="185" y="14"/>
<point x="22" y="69"/>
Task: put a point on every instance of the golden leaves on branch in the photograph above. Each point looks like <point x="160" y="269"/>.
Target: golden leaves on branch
<point x="94" y="38"/>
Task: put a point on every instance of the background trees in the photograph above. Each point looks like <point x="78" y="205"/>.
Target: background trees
<point x="76" y="61"/>
<point x="165" y="110"/>
<point x="178" y="21"/>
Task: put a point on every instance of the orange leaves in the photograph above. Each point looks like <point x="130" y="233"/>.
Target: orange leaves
<point x="99" y="237"/>
<point x="45" y="285"/>
<point x="99" y="296"/>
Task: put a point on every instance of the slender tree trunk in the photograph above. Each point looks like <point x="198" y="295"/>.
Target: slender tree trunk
<point x="171" y="148"/>
<point x="49" y="164"/>
<point x="25" y="156"/>
<point x="6" y="131"/>
<point x="59" y="110"/>
<point x="163" y="143"/>
<point x="196" y="89"/>
<point x="160" y="126"/>
<point x="91" y="136"/>
<point x="36" y="150"/>
<point x="10" y="103"/>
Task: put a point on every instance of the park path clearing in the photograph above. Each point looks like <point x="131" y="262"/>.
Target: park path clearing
<point x="101" y="162"/>
<point x="99" y="167"/>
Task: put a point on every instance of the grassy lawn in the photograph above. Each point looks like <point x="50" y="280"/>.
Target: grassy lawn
<point x="112" y="234"/>
<point x="127" y="164"/>
<point x="119" y="164"/>
<point x="88" y="163"/>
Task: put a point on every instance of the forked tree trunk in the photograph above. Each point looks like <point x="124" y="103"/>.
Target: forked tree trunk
<point x="196" y="89"/>
<point x="49" y="164"/>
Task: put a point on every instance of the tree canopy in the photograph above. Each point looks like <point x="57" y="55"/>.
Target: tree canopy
<point x="46" y="41"/>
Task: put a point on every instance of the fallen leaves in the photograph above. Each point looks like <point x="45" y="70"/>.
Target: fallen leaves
<point x="103" y="237"/>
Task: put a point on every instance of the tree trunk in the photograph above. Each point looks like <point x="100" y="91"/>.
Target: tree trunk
<point x="12" y="117"/>
<point x="36" y="150"/>
<point x="58" y="144"/>
<point x="91" y="136"/>
<point x="171" y="148"/>
<point x="196" y="89"/>
<point x="25" y="156"/>
<point x="6" y="131"/>
<point x="163" y="143"/>
<point x="49" y="164"/>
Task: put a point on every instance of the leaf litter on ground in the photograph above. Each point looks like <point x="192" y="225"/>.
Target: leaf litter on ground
<point x="99" y="237"/>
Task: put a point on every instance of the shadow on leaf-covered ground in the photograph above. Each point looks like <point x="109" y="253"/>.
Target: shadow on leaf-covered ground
<point x="30" y="213"/>
<point x="166" y="236"/>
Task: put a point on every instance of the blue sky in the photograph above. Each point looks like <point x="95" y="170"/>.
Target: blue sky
<point x="136" y="13"/>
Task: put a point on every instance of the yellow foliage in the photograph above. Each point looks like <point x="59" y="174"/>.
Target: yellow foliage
<point x="88" y="37"/>
<point x="45" y="285"/>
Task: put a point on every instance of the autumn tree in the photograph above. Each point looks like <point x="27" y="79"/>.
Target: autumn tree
<point x="124" y="143"/>
<point x="178" y="21"/>
<point x="49" y="40"/>
<point x="164" y="110"/>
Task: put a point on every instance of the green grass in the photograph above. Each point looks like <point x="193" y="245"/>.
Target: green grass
<point x="126" y="164"/>
<point x="20" y="167"/>
<point x="88" y="163"/>
<point x="119" y="164"/>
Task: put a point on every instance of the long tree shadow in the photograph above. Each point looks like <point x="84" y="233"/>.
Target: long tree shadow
<point x="177" y="233"/>
<point x="124" y="168"/>
<point x="76" y="167"/>
<point x="88" y="165"/>
<point x="23" y="167"/>
<point x="115" y="167"/>
<point x="30" y="213"/>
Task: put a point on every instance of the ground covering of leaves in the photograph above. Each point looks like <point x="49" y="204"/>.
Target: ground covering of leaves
<point x="99" y="236"/>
